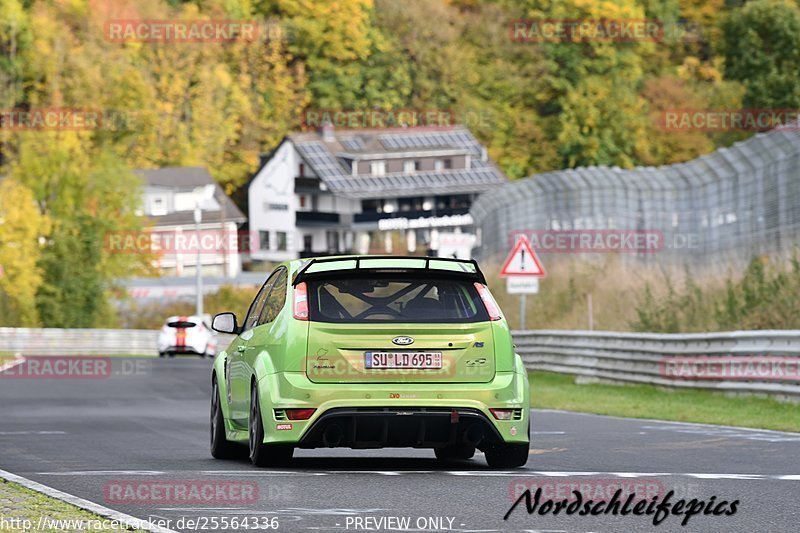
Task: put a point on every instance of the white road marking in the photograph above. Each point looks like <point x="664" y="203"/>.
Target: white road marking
<point x="731" y="433"/>
<point x="131" y="521"/>
<point x="80" y="473"/>
<point x="548" y="432"/>
<point x="673" y="423"/>
<point x="11" y="364"/>
<point x="3" y="433"/>
<point x="725" y="476"/>
<point x="454" y="473"/>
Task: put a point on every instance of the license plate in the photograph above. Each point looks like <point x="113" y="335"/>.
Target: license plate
<point x="420" y="360"/>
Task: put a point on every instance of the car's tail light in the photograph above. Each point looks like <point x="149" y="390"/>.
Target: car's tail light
<point x="502" y="414"/>
<point x="299" y="414"/>
<point x="488" y="302"/>
<point x="300" y="307"/>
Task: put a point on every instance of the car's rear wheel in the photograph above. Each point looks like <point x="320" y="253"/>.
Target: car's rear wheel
<point x="221" y="447"/>
<point x="264" y="454"/>
<point x="460" y="452"/>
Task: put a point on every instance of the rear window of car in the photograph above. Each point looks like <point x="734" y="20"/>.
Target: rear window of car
<point x="181" y="324"/>
<point x="394" y="299"/>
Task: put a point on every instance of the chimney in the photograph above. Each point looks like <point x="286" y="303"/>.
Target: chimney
<point x="326" y="130"/>
<point x="484" y="154"/>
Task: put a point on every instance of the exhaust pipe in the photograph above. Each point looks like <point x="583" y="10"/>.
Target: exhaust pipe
<point x="473" y="435"/>
<point x="332" y="436"/>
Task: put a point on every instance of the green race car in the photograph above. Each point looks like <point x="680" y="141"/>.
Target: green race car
<point x="371" y="352"/>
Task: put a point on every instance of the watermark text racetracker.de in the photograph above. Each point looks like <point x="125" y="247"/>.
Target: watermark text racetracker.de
<point x="602" y="30"/>
<point x="191" y="31"/>
<point x="51" y="119"/>
<point x="181" y="492"/>
<point x="48" y="523"/>
<point x="598" y="241"/>
<point x="70" y="367"/>
<point x="738" y="367"/>
<point x="721" y="120"/>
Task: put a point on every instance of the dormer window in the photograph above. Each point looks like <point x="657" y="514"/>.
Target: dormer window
<point x="409" y="167"/>
<point x="377" y="168"/>
<point x="443" y="164"/>
<point x="158" y="207"/>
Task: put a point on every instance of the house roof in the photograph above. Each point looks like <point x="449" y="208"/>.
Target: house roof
<point x="327" y="159"/>
<point x="176" y="177"/>
<point x="186" y="179"/>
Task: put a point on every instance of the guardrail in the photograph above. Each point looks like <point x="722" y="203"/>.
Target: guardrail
<point x="761" y="362"/>
<point x="53" y="341"/>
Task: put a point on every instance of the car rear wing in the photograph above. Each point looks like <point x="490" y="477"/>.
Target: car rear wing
<point x="359" y="266"/>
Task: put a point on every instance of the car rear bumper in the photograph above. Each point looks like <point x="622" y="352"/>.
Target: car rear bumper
<point x="417" y="427"/>
<point x="183" y="349"/>
<point x="394" y="415"/>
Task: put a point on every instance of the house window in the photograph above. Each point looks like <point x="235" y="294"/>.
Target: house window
<point x="378" y="168"/>
<point x="280" y="238"/>
<point x="410" y="166"/>
<point x="369" y="206"/>
<point x="302" y="172"/>
<point x="308" y="241"/>
<point x="443" y="164"/>
<point x="263" y="240"/>
<point x="302" y="201"/>
<point x="332" y="240"/>
<point x="158" y="207"/>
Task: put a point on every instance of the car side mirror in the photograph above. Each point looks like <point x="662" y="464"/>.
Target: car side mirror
<point x="225" y="323"/>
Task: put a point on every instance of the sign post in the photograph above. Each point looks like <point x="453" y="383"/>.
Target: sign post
<point x="522" y="271"/>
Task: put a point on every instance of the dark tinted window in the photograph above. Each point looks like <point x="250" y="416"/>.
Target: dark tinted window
<point x="275" y="300"/>
<point x="258" y="304"/>
<point x="393" y="299"/>
<point x="181" y="324"/>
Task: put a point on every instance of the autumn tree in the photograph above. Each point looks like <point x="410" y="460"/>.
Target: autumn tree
<point x="761" y="45"/>
<point x="21" y="228"/>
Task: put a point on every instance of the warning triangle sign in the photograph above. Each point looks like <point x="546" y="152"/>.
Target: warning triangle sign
<point x="522" y="261"/>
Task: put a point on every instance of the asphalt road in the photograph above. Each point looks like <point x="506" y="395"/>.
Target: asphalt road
<point x="120" y="438"/>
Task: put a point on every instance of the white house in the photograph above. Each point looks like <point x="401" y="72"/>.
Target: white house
<point x="169" y="203"/>
<point x="369" y="191"/>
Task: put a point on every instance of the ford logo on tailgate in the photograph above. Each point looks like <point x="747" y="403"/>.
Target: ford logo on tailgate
<point x="403" y="341"/>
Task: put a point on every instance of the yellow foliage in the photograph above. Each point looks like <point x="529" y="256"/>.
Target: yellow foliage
<point x="21" y="226"/>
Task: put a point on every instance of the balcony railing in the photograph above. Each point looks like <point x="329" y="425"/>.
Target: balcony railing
<point x="316" y="217"/>
<point x="374" y="216"/>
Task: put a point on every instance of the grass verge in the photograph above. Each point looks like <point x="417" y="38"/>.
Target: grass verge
<point x="20" y="507"/>
<point x="559" y="391"/>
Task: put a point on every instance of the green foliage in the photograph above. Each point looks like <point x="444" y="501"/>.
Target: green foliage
<point x="86" y="193"/>
<point x="763" y="297"/>
<point x="152" y="315"/>
<point x="538" y="106"/>
<point x="761" y="45"/>
<point x="21" y="227"/>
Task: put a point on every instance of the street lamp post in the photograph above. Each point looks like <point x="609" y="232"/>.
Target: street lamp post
<point x="198" y="217"/>
<point x="201" y="194"/>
